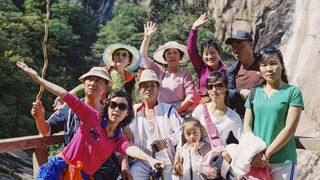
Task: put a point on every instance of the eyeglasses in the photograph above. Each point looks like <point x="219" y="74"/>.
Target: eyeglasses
<point x="121" y="106"/>
<point x="216" y="86"/>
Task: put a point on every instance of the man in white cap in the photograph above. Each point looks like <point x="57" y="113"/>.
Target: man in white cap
<point x="156" y="127"/>
<point x="244" y="74"/>
<point x="96" y="82"/>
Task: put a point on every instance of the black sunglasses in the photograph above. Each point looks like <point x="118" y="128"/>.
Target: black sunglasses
<point x="270" y="49"/>
<point x="216" y="86"/>
<point x="121" y="106"/>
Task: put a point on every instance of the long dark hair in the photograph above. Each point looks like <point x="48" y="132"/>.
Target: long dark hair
<point x="219" y="76"/>
<point x="265" y="54"/>
<point x="128" y="119"/>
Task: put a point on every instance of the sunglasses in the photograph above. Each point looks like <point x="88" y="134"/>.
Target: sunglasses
<point x="121" y="106"/>
<point x="270" y="49"/>
<point x="216" y="86"/>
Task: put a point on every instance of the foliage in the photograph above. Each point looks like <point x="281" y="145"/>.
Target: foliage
<point x="76" y="42"/>
<point x="71" y="33"/>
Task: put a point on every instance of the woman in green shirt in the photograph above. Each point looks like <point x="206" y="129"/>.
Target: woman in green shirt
<point x="273" y="114"/>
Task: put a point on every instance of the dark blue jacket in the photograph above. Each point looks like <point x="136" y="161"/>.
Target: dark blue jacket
<point x="234" y="99"/>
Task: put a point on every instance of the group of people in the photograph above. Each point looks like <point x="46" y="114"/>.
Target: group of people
<point x="162" y="118"/>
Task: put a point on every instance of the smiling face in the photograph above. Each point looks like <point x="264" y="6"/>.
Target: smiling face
<point x="172" y="57"/>
<point x="211" y="57"/>
<point x="216" y="90"/>
<point x="121" y="57"/>
<point x="117" y="110"/>
<point x="94" y="86"/>
<point x="271" y="68"/>
<point x="191" y="132"/>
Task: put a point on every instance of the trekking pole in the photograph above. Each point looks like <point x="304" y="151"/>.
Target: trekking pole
<point x="158" y="174"/>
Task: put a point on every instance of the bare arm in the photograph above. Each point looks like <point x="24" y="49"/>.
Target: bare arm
<point x="184" y="106"/>
<point x="248" y="117"/>
<point x="137" y="153"/>
<point x="286" y="133"/>
<point x="149" y="29"/>
<point x="125" y="173"/>
<point x="53" y="88"/>
<point x="38" y="112"/>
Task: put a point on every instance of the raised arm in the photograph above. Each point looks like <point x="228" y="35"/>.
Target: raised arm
<point x="149" y="29"/>
<point x="195" y="57"/>
<point x="53" y="88"/>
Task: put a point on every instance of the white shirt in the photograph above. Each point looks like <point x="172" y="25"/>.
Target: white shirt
<point x="230" y="122"/>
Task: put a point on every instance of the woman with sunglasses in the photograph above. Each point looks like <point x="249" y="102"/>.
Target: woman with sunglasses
<point x="205" y="61"/>
<point x="228" y="123"/>
<point x="98" y="135"/>
<point x="272" y="113"/>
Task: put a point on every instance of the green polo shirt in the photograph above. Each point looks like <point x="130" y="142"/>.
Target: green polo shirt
<point x="270" y="118"/>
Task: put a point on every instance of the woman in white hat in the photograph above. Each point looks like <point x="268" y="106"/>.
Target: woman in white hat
<point x="177" y="85"/>
<point x="120" y="60"/>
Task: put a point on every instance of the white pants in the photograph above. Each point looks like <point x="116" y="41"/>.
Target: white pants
<point x="283" y="171"/>
<point x="141" y="170"/>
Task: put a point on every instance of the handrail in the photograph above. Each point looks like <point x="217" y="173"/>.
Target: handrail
<point x="29" y="142"/>
<point x="40" y="143"/>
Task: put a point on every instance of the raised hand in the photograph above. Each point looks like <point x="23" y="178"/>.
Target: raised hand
<point x="200" y="21"/>
<point x="28" y="71"/>
<point x="149" y="29"/>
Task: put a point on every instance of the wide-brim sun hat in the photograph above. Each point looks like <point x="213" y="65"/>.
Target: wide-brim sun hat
<point x="158" y="54"/>
<point x="98" y="72"/>
<point x="239" y="35"/>
<point x="136" y="56"/>
<point x="148" y="75"/>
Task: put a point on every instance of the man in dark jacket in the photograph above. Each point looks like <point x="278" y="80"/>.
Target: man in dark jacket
<point x="244" y="74"/>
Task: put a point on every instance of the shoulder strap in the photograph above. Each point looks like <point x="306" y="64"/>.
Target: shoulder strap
<point x="251" y="99"/>
<point x="252" y="95"/>
<point x="211" y="128"/>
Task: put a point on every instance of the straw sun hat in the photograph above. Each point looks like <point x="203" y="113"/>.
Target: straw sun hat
<point x="136" y="56"/>
<point x="96" y="71"/>
<point x="158" y="54"/>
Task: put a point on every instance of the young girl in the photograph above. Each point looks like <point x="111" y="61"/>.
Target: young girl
<point x="273" y="113"/>
<point x="193" y="148"/>
<point x="98" y="135"/>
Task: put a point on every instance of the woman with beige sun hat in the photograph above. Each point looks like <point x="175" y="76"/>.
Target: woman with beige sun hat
<point x="176" y="85"/>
